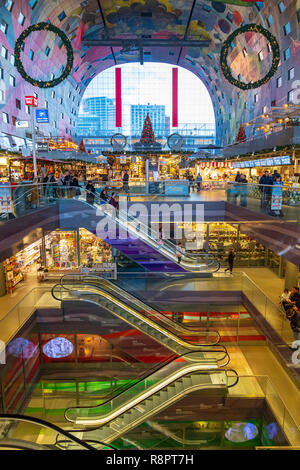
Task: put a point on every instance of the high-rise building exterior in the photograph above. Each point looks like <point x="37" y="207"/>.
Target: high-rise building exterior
<point x="98" y="117"/>
<point x="138" y="113"/>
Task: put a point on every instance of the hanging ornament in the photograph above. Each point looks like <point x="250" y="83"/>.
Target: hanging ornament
<point x="256" y="28"/>
<point x="66" y="42"/>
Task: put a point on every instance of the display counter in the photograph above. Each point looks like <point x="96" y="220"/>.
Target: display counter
<point x="107" y="271"/>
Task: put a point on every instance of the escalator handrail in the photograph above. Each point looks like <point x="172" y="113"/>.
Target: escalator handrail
<point x="164" y="364"/>
<point x="46" y="424"/>
<point x="223" y="347"/>
<point x="124" y="293"/>
<point x="202" y="373"/>
<point x="146" y="228"/>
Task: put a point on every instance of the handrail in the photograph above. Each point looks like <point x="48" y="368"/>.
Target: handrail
<point x="168" y="245"/>
<point x="103" y="183"/>
<point x="177" y="339"/>
<point x="133" y="299"/>
<point x="167" y="362"/>
<point x="46" y="424"/>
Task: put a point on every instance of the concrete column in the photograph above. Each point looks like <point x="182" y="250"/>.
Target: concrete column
<point x="291" y="275"/>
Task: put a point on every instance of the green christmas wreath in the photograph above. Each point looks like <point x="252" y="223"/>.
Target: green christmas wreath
<point x="66" y="42"/>
<point x="225" y="49"/>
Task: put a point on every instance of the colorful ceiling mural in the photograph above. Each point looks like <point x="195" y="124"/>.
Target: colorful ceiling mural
<point x="44" y="56"/>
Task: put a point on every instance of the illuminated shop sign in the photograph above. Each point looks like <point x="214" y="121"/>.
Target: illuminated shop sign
<point x="31" y="101"/>
<point x="285" y="160"/>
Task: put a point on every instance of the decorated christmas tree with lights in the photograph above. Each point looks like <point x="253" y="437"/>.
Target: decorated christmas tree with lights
<point x="147" y="133"/>
<point x="147" y="141"/>
<point x="241" y="135"/>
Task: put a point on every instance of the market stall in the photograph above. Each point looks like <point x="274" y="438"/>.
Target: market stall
<point x="17" y="267"/>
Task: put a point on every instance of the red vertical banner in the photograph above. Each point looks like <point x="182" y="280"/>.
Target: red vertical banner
<point x="174" y="97"/>
<point x="118" y="97"/>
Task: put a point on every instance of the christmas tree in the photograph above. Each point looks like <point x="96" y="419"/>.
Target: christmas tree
<point x="147" y="133"/>
<point x="82" y="146"/>
<point x="241" y="135"/>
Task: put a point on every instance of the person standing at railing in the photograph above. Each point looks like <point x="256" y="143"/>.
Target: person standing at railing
<point x="67" y="183"/>
<point x="238" y="177"/>
<point x="276" y="196"/>
<point x="265" y="182"/>
<point x="75" y="185"/>
<point x="52" y="186"/>
<point x="243" y="190"/>
<point x="293" y="315"/>
<point x="34" y="200"/>
<point x="90" y="193"/>
<point x="60" y="182"/>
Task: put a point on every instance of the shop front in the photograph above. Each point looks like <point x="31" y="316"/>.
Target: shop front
<point x="215" y="171"/>
<point x="18" y="267"/>
<point x="55" y="254"/>
<point x="220" y="237"/>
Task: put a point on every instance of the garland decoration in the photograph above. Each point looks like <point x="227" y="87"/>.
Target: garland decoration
<point x="225" y="50"/>
<point x="66" y="42"/>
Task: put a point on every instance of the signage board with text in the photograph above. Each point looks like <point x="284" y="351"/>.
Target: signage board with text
<point x="31" y="101"/>
<point x="41" y="116"/>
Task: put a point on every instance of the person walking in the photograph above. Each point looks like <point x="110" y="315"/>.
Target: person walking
<point x="199" y="182"/>
<point x="125" y="181"/>
<point x="230" y="260"/>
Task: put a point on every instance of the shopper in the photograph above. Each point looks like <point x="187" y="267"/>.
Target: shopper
<point x="90" y="193"/>
<point x="75" y="186"/>
<point x="60" y="183"/>
<point x="67" y="183"/>
<point x="293" y="315"/>
<point x="125" y="181"/>
<point x="34" y="194"/>
<point x="276" y="196"/>
<point x="199" y="182"/>
<point x="112" y="200"/>
<point x="52" y="186"/>
<point x="104" y="195"/>
<point x="275" y="176"/>
<point x="237" y="178"/>
<point x="285" y="297"/>
<point x="243" y="190"/>
<point x="230" y="260"/>
<point x="265" y="182"/>
<point x="180" y="251"/>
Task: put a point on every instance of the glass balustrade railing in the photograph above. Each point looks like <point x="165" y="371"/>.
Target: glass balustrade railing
<point x="26" y="197"/>
<point x="217" y="354"/>
<point x="262" y="386"/>
<point x="23" y="310"/>
<point x="169" y="372"/>
<point x="239" y="281"/>
<point x="204" y="335"/>
<point x="204" y="262"/>
<point x="29" y="433"/>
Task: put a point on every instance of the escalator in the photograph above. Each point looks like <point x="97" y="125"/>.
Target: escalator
<point x="148" y="397"/>
<point x="140" y="316"/>
<point x="144" y="246"/>
<point x="141" y="244"/>
<point x="19" y="432"/>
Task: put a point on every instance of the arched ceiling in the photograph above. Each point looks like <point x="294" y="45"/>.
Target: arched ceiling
<point x="207" y="20"/>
